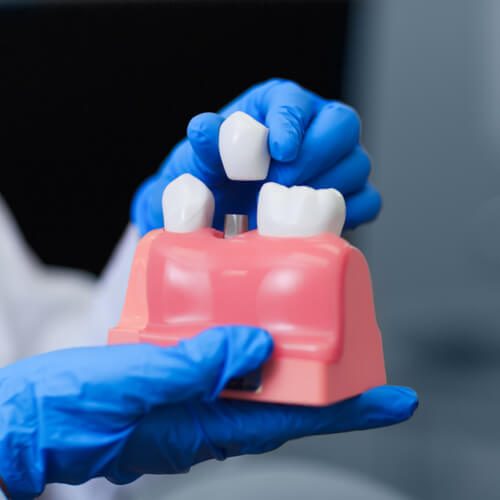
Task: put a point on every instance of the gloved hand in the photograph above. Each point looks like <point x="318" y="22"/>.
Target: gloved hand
<point x="312" y="141"/>
<point x="127" y="410"/>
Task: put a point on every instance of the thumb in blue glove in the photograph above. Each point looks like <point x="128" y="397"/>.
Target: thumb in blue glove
<point x="127" y="410"/>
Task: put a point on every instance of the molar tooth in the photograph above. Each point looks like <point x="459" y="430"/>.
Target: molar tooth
<point x="187" y="204"/>
<point x="243" y="148"/>
<point x="299" y="211"/>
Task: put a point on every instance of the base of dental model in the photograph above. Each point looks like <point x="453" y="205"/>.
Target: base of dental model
<point x="294" y="276"/>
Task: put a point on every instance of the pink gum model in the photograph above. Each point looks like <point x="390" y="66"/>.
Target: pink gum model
<point x="312" y="294"/>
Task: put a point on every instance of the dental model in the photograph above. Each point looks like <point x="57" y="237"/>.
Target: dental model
<point x="293" y="276"/>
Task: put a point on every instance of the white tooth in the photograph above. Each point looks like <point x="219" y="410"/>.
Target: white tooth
<point x="299" y="211"/>
<point x="187" y="204"/>
<point x="243" y="148"/>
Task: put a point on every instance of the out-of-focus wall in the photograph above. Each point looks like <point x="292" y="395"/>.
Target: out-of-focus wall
<point x="425" y="76"/>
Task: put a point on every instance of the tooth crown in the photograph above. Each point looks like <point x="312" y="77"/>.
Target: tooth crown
<point x="299" y="211"/>
<point x="187" y="204"/>
<point x="243" y="148"/>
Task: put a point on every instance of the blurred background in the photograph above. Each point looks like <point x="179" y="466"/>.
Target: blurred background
<point x="94" y="95"/>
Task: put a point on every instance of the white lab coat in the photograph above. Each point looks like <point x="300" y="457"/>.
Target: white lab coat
<point x="45" y="308"/>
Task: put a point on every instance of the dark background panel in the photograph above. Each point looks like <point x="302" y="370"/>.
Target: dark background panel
<point x="93" y="98"/>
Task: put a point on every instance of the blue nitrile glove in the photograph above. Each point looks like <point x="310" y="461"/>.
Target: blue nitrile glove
<point x="127" y="410"/>
<point x="312" y="141"/>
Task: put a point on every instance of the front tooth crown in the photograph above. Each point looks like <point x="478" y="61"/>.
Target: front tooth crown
<point x="187" y="204"/>
<point x="299" y="211"/>
<point x="243" y="148"/>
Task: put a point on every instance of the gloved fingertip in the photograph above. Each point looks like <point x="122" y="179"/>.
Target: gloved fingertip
<point x="262" y="343"/>
<point x="287" y="124"/>
<point x="408" y="403"/>
<point x="203" y="136"/>
<point x="284" y="150"/>
<point x="374" y="203"/>
<point x="362" y="207"/>
<point x="219" y="354"/>
<point x="203" y="128"/>
<point x="249" y="347"/>
<point x="246" y="349"/>
<point x="388" y="405"/>
<point x="338" y="112"/>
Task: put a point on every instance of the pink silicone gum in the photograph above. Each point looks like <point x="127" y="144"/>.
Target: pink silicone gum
<point x="312" y="294"/>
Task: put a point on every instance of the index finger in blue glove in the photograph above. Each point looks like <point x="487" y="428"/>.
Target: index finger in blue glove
<point x="332" y="134"/>
<point x="289" y="110"/>
<point x="203" y="135"/>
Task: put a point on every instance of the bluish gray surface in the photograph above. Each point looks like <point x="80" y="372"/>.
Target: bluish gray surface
<point x="422" y="76"/>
